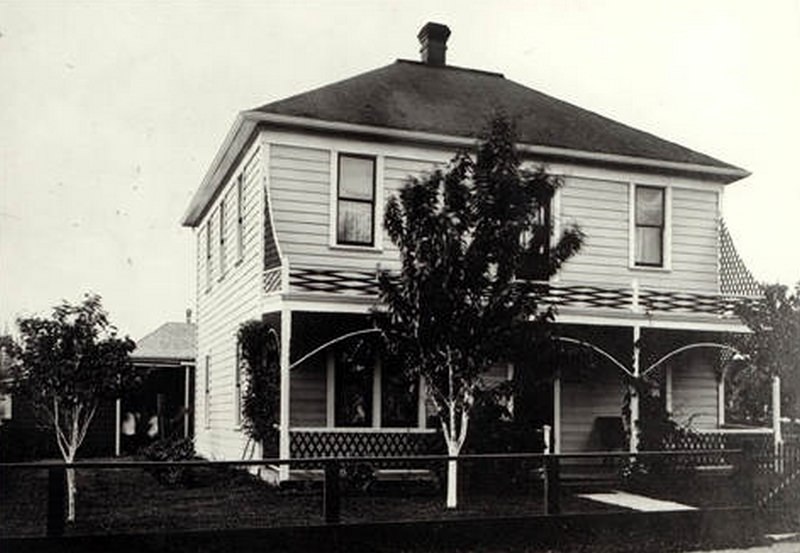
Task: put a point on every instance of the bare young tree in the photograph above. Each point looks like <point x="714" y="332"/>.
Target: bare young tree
<point x="66" y="365"/>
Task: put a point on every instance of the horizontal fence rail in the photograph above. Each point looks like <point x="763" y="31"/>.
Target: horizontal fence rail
<point x="545" y="479"/>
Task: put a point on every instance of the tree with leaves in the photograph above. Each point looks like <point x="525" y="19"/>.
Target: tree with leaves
<point x="773" y="349"/>
<point x="259" y="361"/>
<point x="66" y="366"/>
<point x="459" y="306"/>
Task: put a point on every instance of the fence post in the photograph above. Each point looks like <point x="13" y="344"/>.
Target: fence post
<point x="56" y="495"/>
<point x="552" y="485"/>
<point x="331" y="498"/>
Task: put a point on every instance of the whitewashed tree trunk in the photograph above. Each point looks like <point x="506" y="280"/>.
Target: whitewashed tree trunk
<point x="452" y="479"/>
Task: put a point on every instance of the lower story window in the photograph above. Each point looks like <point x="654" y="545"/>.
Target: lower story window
<point x="353" y="391"/>
<point x="399" y="398"/>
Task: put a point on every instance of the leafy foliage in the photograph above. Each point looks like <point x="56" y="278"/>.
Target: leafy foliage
<point x="170" y="449"/>
<point x="260" y="361"/>
<point x="66" y="366"/>
<point x="773" y="347"/>
<point x="464" y="236"/>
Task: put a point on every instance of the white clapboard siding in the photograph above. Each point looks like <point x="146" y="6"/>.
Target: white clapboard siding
<point x="230" y="300"/>
<point x="300" y="191"/>
<point x="601" y="208"/>
<point x="694" y="391"/>
<point x="582" y="401"/>
<point x="308" y="395"/>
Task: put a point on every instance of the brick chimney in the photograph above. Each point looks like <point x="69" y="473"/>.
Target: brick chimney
<point x="433" y="43"/>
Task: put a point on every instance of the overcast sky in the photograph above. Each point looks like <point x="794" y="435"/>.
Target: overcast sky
<point x="110" y="114"/>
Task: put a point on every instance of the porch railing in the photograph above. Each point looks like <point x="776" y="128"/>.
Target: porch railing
<point x="634" y="299"/>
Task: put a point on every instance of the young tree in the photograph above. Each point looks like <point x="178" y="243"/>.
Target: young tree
<point x="66" y="365"/>
<point x="458" y="307"/>
<point x="773" y="348"/>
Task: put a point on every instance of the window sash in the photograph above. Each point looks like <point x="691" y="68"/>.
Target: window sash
<point x="649" y="224"/>
<point x="352" y="394"/>
<point x="355" y="206"/>
<point x="239" y="217"/>
<point x="222" y="238"/>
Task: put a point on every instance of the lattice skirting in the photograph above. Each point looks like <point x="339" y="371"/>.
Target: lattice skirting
<point x="305" y="444"/>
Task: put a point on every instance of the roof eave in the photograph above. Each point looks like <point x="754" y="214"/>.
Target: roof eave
<point x="237" y="136"/>
<point x="247" y="121"/>
<point x="725" y="174"/>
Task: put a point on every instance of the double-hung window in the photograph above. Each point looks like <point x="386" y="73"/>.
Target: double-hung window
<point x="355" y="201"/>
<point x="207" y="393"/>
<point x="239" y="218"/>
<point x="534" y="266"/>
<point x="208" y="255"/>
<point x="222" y="239"/>
<point x="649" y="225"/>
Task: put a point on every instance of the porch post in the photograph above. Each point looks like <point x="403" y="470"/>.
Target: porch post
<point x="283" y="443"/>
<point x="777" y="435"/>
<point x="633" y="445"/>
<point x="721" y="401"/>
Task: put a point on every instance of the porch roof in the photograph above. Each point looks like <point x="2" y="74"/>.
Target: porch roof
<point x="169" y="342"/>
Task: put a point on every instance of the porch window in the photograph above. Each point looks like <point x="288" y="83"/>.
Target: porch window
<point x="239" y="218"/>
<point x="353" y="392"/>
<point x="649" y="226"/>
<point x="356" y="200"/>
<point x="399" y="399"/>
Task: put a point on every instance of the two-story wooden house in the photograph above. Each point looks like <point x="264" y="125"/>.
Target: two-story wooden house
<point x="288" y="227"/>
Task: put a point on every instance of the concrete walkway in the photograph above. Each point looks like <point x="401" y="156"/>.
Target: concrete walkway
<point x="792" y="546"/>
<point x="636" y="502"/>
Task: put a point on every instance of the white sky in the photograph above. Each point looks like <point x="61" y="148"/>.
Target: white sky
<point x="110" y="114"/>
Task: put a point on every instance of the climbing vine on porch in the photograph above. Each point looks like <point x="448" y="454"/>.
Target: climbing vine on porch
<point x="259" y="360"/>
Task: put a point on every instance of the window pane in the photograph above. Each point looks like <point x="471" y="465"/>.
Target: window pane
<point x="399" y="398"/>
<point x="353" y="397"/>
<point x="356" y="178"/>
<point x="355" y="222"/>
<point x="648" y="246"/>
<point x="649" y="206"/>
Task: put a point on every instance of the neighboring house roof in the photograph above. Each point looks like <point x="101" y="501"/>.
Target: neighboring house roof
<point x="170" y="341"/>
<point x="735" y="279"/>
<point x="449" y="100"/>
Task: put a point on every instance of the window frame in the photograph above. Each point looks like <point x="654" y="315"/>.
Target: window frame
<point x="375" y="202"/>
<point x="239" y="218"/>
<point x="221" y="239"/>
<point x="666" y="228"/>
<point x="207" y="393"/>
<point x="237" y="387"/>
<point x="209" y="272"/>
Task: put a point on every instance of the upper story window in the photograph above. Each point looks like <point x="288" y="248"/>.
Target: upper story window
<point x="222" y="239"/>
<point x="535" y="265"/>
<point x="355" y="201"/>
<point x="239" y="218"/>
<point x="649" y="226"/>
<point x="208" y="254"/>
